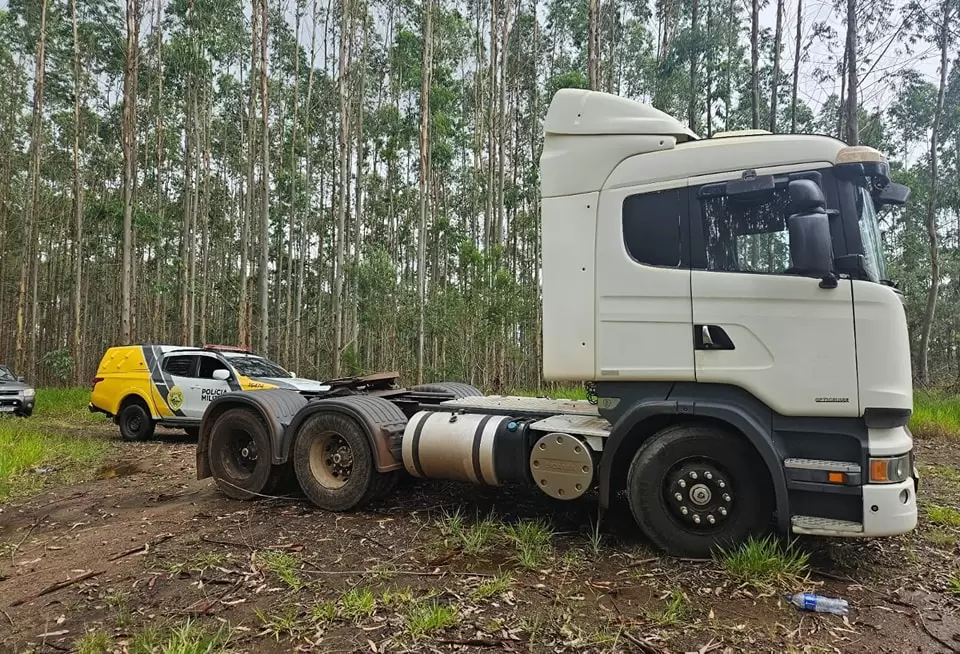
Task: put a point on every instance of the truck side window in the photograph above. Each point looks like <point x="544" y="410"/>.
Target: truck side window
<point x="742" y="236"/>
<point x="652" y="226"/>
<point x="181" y="366"/>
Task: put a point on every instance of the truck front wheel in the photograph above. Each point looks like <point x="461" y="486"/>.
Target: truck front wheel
<point x="693" y="488"/>
<point x="135" y="421"/>
<point x="334" y="463"/>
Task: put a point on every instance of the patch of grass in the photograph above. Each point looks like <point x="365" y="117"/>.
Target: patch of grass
<point x="323" y="612"/>
<point x="595" y="538"/>
<point x="94" y="642"/>
<point x="473" y="539"/>
<point x="935" y="414"/>
<point x="358" y="603"/>
<point x="947" y="473"/>
<point x="942" y="538"/>
<point x="531" y="538"/>
<point x="765" y="563"/>
<point x="284" y="565"/>
<point x="286" y="623"/>
<point x="26" y="446"/>
<point x="492" y="587"/>
<point x="199" y="563"/>
<point x="953" y="583"/>
<point x="424" y="618"/>
<point x="119" y="604"/>
<point x="188" y="637"/>
<point x="945" y="516"/>
<point x="396" y="598"/>
<point x="675" y="610"/>
<point x="66" y="404"/>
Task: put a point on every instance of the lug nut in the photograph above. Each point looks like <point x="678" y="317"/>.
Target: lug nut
<point x="723" y="511"/>
<point x="696" y="519"/>
<point x="722" y="484"/>
<point x="708" y="475"/>
<point x="678" y="496"/>
<point x="726" y="497"/>
<point x="684" y="510"/>
<point x="693" y="474"/>
<point x="682" y="483"/>
<point x="711" y="519"/>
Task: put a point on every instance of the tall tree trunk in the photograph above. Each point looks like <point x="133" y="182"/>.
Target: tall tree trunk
<point x="29" y="269"/>
<point x="694" y="56"/>
<point x="775" y="78"/>
<point x="796" y="68"/>
<point x="852" y="122"/>
<point x="77" y="205"/>
<point x="710" y="60"/>
<point x="931" y="308"/>
<point x="754" y="64"/>
<point x="243" y="324"/>
<point x="264" y="187"/>
<point x="294" y="172"/>
<point x="340" y="236"/>
<point x="129" y="163"/>
<point x="426" y="69"/>
<point x="593" y="44"/>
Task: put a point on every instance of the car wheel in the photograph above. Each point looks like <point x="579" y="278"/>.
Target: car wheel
<point x="694" y="488"/>
<point x="25" y="413"/>
<point x="241" y="456"/>
<point x="135" y="422"/>
<point x="334" y="464"/>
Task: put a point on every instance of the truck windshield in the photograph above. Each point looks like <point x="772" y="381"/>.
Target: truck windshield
<point x="253" y="366"/>
<point x="6" y="375"/>
<point x="870" y="235"/>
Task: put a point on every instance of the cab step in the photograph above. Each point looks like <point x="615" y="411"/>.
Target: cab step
<point x="805" y="524"/>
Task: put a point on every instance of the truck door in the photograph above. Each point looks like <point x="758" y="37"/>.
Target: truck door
<point x="779" y="336"/>
<point x="643" y="284"/>
<point x="177" y="385"/>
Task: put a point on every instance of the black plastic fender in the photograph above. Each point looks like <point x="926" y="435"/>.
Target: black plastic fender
<point x="381" y="420"/>
<point x="277" y="407"/>
<point x="683" y="409"/>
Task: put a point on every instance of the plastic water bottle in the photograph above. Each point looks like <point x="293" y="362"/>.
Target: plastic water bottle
<point x="818" y="603"/>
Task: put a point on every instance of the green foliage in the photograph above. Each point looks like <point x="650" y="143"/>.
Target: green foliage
<point x="935" y="414"/>
<point x="765" y="563"/>
<point x="188" y="637"/>
<point x="428" y="617"/>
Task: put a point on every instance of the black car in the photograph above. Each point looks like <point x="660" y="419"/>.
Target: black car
<point x="16" y="396"/>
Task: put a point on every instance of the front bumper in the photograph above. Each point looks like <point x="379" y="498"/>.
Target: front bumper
<point x="16" y="403"/>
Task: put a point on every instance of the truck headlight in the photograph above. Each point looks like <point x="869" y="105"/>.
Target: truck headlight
<point x="891" y="470"/>
<point x="29" y="392"/>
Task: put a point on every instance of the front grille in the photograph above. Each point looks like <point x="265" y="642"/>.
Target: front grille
<point x="2" y="392"/>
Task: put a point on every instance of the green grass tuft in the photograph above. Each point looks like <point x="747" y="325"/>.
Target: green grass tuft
<point x="935" y="414"/>
<point x="492" y="587"/>
<point x="358" y="603"/>
<point x="944" y="516"/>
<point x="94" y="642"/>
<point x="532" y="541"/>
<point x="425" y="618"/>
<point x="26" y="445"/>
<point x="473" y="539"/>
<point x="187" y="637"/>
<point x="676" y="609"/>
<point x="65" y="404"/>
<point x="953" y="583"/>
<point x="765" y="563"/>
<point x="284" y="565"/>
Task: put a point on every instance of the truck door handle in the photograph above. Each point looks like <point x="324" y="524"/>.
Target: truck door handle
<point x="711" y="337"/>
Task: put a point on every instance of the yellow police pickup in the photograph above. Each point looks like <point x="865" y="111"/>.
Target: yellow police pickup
<point x="141" y="386"/>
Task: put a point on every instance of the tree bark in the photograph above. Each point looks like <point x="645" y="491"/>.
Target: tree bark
<point x="593" y="44"/>
<point x="931" y="308"/>
<point x="694" y="56"/>
<point x="264" y="187"/>
<point x="77" y="205"/>
<point x="796" y="69"/>
<point x="754" y="64"/>
<point x="775" y="78"/>
<point x="340" y="236"/>
<point x="852" y="123"/>
<point x="426" y="68"/>
<point x="243" y="324"/>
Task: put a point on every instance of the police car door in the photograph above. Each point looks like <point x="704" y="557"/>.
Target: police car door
<point x="208" y="387"/>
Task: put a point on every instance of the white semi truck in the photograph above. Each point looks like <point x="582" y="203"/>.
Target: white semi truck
<point x="725" y="301"/>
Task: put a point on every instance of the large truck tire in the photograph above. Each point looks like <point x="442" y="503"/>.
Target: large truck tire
<point x="240" y="455"/>
<point x="334" y="463"/>
<point x="135" y="422"/>
<point x="459" y="390"/>
<point x="692" y="488"/>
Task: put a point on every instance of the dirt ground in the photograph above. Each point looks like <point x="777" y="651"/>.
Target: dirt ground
<point x="147" y="546"/>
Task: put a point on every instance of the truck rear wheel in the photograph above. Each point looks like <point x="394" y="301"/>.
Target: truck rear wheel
<point x="334" y="463"/>
<point x="692" y="488"/>
<point x="135" y="421"/>
<point x="240" y="456"/>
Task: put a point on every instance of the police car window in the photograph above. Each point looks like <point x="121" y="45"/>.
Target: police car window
<point x="208" y="365"/>
<point x="257" y="367"/>
<point x="181" y="366"/>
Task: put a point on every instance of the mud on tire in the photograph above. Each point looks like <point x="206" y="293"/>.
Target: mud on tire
<point x="240" y="456"/>
<point x="334" y="463"/>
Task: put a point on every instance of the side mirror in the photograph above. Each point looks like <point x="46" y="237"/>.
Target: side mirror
<point x="811" y="246"/>
<point x="293" y="374"/>
<point x="221" y="374"/>
<point x="22" y="380"/>
<point x="892" y="194"/>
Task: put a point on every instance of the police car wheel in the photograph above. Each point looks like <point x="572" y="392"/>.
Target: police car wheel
<point x="135" y="422"/>
<point x="240" y="456"/>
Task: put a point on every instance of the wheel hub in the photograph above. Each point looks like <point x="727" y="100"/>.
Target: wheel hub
<point x="699" y="494"/>
<point x="331" y="460"/>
